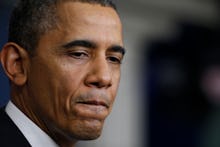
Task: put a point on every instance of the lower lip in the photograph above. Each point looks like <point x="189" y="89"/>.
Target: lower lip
<point x="90" y="111"/>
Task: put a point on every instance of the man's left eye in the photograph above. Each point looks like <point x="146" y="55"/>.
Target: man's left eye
<point x="113" y="59"/>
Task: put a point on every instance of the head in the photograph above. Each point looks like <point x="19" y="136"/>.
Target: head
<point x="63" y="59"/>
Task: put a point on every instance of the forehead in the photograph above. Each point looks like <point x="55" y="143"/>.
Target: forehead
<point x="84" y="21"/>
<point x="85" y="13"/>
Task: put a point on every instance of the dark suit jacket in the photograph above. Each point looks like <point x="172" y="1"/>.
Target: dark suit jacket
<point x="10" y="135"/>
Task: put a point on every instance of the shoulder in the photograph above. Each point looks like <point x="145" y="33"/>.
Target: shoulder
<point x="10" y="135"/>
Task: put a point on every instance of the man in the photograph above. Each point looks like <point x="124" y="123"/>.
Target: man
<point x="63" y="60"/>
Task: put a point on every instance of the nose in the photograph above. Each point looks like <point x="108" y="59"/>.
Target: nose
<point x="99" y="74"/>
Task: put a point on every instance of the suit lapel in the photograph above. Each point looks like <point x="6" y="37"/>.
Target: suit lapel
<point x="10" y="135"/>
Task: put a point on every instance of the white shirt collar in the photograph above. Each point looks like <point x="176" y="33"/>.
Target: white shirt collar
<point x="35" y="136"/>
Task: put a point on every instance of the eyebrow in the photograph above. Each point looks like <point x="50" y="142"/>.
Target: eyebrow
<point x="117" y="48"/>
<point x="90" y="44"/>
<point x="83" y="43"/>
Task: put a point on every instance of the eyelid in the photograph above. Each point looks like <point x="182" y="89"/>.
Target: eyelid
<point x="78" y="49"/>
<point x="115" y="57"/>
<point x="78" y="54"/>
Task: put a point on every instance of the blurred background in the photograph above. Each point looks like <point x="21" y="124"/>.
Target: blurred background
<point x="170" y="87"/>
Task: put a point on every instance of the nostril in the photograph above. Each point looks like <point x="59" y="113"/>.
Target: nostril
<point x="96" y="84"/>
<point x="100" y="84"/>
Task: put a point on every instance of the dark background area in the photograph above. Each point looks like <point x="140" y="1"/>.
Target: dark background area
<point x="5" y="8"/>
<point x="183" y="88"/>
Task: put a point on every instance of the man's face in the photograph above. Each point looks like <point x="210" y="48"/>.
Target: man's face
<point x="74" y="75"/>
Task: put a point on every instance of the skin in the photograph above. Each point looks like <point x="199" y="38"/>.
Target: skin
<point x="68" y="87"/>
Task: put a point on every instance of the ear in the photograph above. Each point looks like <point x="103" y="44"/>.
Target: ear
<point x="14" y="61"/>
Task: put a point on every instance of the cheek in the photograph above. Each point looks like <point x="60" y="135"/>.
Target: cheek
<point x="51" y="89"/>
<point x="69" y="81"/>
<point x="68" y="84"/>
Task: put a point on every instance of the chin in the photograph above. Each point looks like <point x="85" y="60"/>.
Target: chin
<point x="88" y="130"/>
<point x="87" y="135"/>
<point x="91" y="136"/>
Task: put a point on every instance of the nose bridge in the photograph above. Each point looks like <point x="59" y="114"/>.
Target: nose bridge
<point x="100" y="74"/>
<point x="100" y="65"/>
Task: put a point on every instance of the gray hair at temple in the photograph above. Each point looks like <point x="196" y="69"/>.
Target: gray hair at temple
<point x="32" y="18"/>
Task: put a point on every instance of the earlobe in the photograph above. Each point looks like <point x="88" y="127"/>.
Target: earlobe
<point x="13" y="59"/>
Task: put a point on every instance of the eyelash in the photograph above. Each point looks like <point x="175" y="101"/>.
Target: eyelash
<point x="78" y="55"/>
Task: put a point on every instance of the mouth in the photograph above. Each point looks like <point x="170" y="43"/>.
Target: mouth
<point x="94" y="103"/>
<point x="91" y="108"/>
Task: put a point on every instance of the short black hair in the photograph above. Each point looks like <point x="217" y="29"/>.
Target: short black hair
<point x="32" y="18"/>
